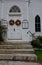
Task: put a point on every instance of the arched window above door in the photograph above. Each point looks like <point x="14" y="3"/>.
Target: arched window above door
<point x="15" y="9"/>
<point x="37" y="24"/>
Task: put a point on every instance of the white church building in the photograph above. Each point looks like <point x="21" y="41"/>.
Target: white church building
<point x="20" y="17"/>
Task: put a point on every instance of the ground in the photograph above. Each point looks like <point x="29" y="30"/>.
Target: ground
<point x="39" y="55"/>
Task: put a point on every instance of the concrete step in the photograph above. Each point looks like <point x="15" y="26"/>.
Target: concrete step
<point x="18" y="63"/>
<point x="16" y="46"/>
<point x="12" y="51"/>
<point x="19" y="42"/>
<point x="26" y="57"/>
<point x="18" y="50"/>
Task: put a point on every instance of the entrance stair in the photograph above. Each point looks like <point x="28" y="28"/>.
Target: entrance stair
<point x="17" y="51"/>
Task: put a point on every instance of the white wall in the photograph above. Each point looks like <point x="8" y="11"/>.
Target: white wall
<point x="0" y="9"/>
<point x="29" y="13"/>
<point x="35" y="8"/>
<point x="23" y="5"/>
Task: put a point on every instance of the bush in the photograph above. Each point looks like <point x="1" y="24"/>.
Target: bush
<point x="1" y="38"/>
<point x="40" y="38"/>
<point x="35" y="43"/>
<point x="40" y="45"/>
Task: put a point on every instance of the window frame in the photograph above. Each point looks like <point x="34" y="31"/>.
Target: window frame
<point x="15" y="13"/>
<point x="37" y="24"/>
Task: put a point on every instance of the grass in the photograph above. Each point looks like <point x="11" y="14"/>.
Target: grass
<point x="39" y="55"/>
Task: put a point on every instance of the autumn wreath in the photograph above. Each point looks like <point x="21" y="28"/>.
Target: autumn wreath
<point x="11" y="22"/>
<point x="18" y="22"/>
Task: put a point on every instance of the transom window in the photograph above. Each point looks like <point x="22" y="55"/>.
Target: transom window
<point x="37" y="24"/>
<point x="15" y="9"/>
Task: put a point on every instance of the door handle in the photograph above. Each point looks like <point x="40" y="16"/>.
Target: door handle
<point x="14" y="29"/>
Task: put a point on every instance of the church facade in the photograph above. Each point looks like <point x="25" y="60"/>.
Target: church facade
<point x="21" y="18"/>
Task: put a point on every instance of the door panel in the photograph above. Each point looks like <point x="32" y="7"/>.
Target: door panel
<point x="15" y="35"/>
<point x="14" y="32"/>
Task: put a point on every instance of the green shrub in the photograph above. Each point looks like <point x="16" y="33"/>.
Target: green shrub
<point x="1" y="38"/>
<point x="40" y="38"/>
<point x="35" y="43"/>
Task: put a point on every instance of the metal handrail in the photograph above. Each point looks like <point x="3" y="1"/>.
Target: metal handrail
<point x="33" y="36"/>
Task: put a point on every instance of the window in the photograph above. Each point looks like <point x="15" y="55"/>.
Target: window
<point x="37" y="24"/>
<point x="15" y="9"/>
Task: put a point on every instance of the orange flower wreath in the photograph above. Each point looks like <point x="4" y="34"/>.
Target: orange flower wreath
<point x="18" y="22"/>
<point x="11" y="22"/>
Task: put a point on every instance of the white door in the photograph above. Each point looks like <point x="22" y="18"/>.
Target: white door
<point x="14" y="31"/>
